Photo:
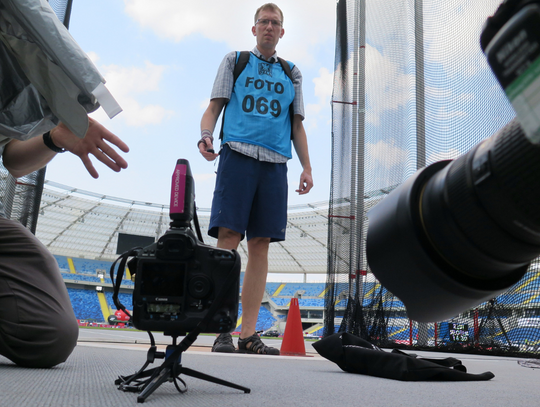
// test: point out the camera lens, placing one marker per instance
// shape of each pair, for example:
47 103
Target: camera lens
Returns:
481 211
200 287
458 233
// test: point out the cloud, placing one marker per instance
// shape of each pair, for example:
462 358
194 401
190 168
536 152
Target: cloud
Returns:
323 85
451 31
445 42
386 154
387 86
128 85
323 91
444 155
204 104
231 21
204 177
204 188
94 57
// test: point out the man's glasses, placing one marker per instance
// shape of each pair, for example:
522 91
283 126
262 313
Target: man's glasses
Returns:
264 22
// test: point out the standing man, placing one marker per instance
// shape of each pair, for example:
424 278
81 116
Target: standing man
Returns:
250 197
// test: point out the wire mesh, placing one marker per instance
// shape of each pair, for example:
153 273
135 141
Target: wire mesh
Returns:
411 87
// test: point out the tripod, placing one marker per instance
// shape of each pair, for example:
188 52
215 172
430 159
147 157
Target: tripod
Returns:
170 370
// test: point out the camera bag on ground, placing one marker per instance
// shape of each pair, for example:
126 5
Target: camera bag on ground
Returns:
355 355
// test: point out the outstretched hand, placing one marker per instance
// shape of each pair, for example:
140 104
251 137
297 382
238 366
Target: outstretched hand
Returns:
97 142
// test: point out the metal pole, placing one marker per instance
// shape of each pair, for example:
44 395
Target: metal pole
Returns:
353 236
420 85
420 116
361 108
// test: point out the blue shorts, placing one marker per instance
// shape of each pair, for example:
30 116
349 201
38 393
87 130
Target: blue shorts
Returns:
250 197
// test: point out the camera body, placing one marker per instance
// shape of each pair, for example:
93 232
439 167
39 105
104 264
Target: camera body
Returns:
176 281
178 278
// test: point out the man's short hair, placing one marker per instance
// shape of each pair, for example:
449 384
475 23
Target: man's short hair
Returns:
268 6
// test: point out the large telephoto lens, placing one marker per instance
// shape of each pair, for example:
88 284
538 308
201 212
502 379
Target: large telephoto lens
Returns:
458 233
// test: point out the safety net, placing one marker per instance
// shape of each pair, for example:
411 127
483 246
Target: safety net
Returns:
411 87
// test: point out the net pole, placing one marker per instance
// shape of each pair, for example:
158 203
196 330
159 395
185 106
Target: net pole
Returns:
355 158
420 115
361 109
420 85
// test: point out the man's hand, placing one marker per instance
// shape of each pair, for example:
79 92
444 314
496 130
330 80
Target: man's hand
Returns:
306 183
204 146
97 142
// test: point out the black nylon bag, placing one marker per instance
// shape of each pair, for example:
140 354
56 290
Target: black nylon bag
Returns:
355 355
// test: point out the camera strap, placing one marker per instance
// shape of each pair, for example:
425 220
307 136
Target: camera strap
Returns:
120 274
197 227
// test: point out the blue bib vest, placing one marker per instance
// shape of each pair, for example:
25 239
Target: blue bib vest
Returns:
258 111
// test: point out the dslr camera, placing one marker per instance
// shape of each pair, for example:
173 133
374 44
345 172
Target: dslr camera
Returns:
178 279
458 233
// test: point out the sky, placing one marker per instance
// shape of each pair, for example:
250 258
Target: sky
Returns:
160 58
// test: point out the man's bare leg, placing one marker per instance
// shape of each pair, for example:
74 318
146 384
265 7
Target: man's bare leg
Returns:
254 283
227 239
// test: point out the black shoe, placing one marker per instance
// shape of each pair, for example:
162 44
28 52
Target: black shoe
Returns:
223 343
253 344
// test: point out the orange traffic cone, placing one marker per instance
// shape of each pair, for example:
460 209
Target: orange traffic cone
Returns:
293 338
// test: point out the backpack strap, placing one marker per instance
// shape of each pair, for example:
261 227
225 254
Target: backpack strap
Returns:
242 58
287 69
241 62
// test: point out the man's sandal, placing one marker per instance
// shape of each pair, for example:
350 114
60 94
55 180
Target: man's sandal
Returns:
253 344
223 343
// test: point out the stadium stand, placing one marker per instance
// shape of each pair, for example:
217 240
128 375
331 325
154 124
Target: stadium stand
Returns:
85 304
272 287
62 262
80 277
87 266
82 289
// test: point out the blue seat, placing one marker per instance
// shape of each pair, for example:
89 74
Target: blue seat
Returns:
85 304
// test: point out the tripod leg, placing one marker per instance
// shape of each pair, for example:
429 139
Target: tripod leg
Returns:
126 380
203 376
163 376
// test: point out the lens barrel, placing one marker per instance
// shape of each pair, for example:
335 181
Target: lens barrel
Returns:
458 233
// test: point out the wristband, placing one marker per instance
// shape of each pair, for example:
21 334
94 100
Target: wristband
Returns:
47 140
205 137
206 133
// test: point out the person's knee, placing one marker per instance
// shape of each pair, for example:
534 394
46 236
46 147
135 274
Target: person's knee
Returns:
228 238
259 245
65 342
51 347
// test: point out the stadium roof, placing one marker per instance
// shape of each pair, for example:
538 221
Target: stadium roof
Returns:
85 224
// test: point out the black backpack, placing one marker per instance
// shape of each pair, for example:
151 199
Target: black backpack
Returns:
239 67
